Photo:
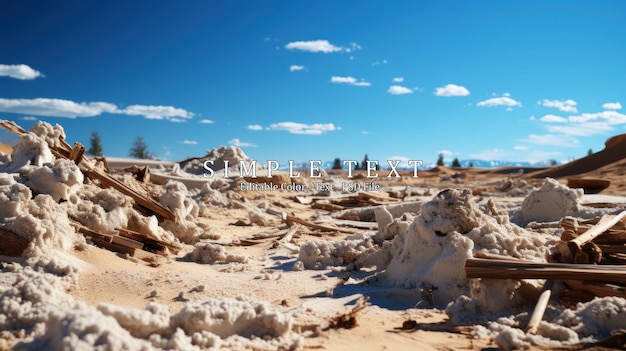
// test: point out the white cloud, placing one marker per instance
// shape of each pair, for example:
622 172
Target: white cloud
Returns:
353 47
22 72
582 129
610 117
520 147
71 109
29 118
313 46
349 80
452 90
399 90
189 142
552 139
499 101
612 106
568 105
238 143
254 127
398 79
445 152
206 121
383 62
157 112
294 68
301 128
553 119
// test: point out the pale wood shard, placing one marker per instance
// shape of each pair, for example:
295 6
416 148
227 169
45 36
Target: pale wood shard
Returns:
540 308
605 223
150 244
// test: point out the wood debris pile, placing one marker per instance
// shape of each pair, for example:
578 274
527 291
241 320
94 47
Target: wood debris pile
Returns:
124 241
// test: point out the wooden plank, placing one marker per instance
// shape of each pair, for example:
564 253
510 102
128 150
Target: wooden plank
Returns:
490 269
596 288
118 239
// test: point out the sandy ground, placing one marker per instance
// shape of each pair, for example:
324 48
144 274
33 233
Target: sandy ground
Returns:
392 319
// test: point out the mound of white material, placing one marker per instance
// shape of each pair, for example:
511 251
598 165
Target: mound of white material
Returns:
51 319
431 254
588 322
232 154
319 254
61 179
40 220
29 150
209 253
552 202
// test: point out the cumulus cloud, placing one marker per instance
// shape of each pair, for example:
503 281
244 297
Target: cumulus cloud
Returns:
71 109
499 101
238 143
612 106
189 142
553 119
568 105
22 72
399 90
452 90
301 128
206 121
313 46
254 127
398 79
349 80
294 68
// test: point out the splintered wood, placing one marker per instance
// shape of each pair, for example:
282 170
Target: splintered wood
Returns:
590 260
125 241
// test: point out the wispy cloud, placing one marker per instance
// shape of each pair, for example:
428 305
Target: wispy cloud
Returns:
238 143
399 90
22 72
206 121
294 68
612 106
610 117
398 79
552 139
71 109
581 129
500 101
189 142
254 127
301 128
553 119
452 90
382 62
350 81
568 105
445 152
314 46
520 147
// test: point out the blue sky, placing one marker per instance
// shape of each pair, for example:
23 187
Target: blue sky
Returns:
305 80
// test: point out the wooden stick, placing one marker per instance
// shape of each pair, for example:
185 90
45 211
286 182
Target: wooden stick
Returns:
293 219
605 223
540 307
596 288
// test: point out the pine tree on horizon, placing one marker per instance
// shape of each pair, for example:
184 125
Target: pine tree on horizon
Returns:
139 149
95 145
